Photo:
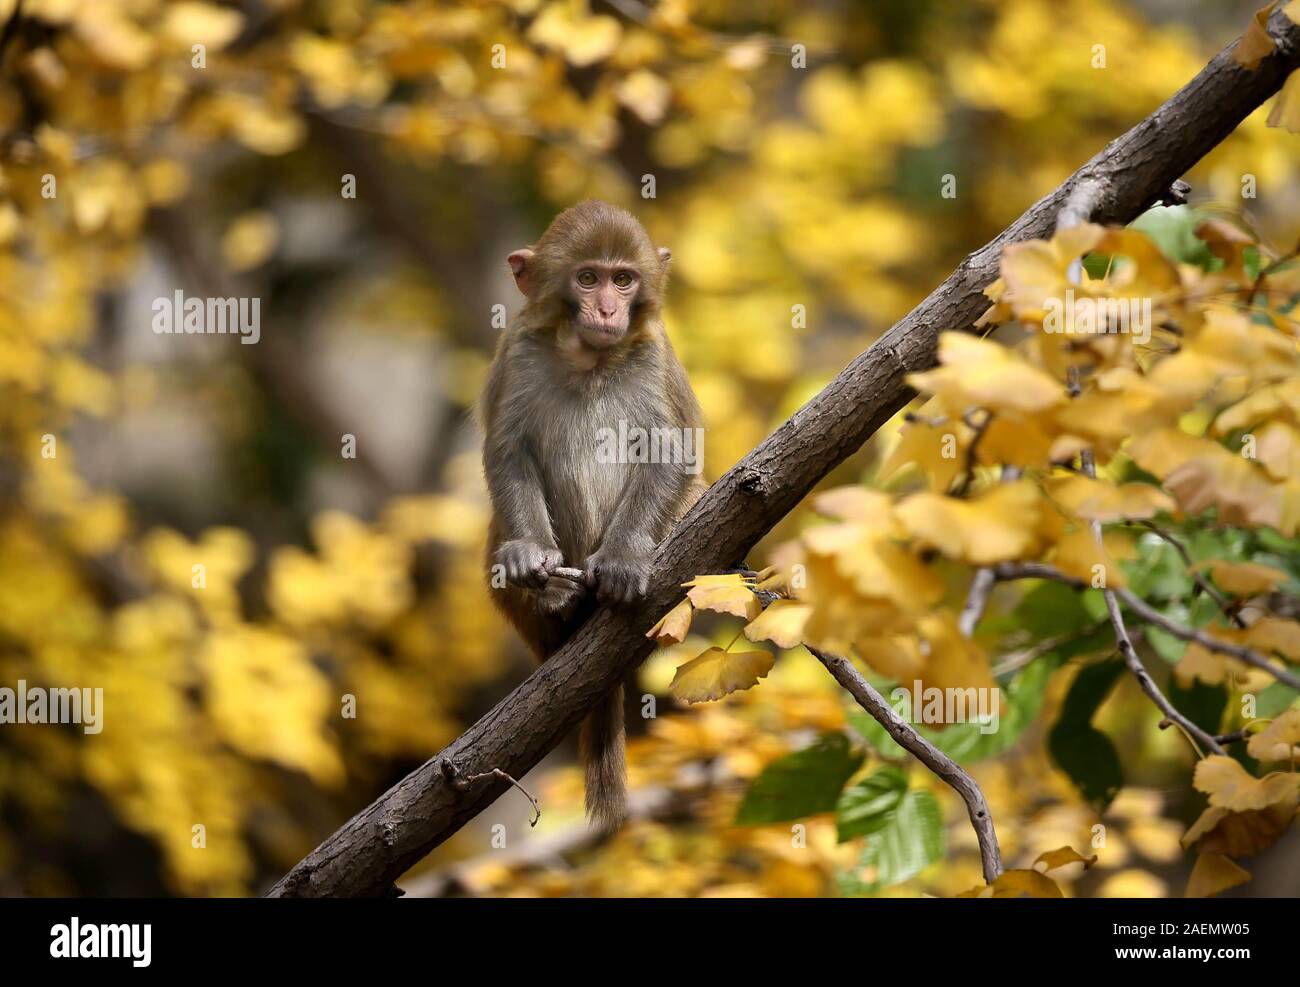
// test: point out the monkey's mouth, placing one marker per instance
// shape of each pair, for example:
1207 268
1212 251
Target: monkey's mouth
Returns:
601 332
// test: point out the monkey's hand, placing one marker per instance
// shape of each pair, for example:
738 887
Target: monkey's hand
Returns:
527 563
561 596
620 574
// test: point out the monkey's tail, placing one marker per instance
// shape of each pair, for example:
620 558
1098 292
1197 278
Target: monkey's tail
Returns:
603 751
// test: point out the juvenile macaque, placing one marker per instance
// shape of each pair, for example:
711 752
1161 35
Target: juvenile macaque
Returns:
587 357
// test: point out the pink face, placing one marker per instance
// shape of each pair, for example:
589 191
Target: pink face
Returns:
604 294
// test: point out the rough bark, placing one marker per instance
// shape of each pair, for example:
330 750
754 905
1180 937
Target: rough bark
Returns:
1131 173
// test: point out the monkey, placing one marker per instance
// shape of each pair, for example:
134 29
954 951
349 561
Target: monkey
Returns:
587 352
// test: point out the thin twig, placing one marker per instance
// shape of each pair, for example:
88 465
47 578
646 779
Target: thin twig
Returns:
972 451
1019 659
1233 738
461 782
1125 645
980 588
936 760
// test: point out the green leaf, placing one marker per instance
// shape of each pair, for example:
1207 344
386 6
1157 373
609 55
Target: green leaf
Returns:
910 841
865 807
1274 700
800 784
1201 703
1173 228
1159 571
1051 609
1094 602
1164 644
1274 542
1081 750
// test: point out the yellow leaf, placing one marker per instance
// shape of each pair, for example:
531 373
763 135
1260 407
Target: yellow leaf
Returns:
1269 634
1230 786
994 526
1062 857
1247 578
207 24
1037 271
1277 447
853 503
875 566
1286 111
268 699
582 38
980 373
955 661
1096 500
1132 883
673 626
1203 474
1279 740
1255 43
1211 667
1077 554
1239 834
898 657
782 623
938 451
729 593
645 94
1214 873
1017 884
717 673
250 240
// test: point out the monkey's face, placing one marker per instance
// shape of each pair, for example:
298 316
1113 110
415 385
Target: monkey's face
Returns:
605 296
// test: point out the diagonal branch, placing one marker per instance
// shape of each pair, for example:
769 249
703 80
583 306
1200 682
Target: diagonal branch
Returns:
383 840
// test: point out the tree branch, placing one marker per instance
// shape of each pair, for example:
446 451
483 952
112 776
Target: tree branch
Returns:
1125 645
1148 613
1242 653
936 760
383 840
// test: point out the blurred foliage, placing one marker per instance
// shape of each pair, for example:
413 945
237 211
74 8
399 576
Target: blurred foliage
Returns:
804 209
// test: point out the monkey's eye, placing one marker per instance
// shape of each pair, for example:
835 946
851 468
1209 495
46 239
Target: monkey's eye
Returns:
587 278
623 279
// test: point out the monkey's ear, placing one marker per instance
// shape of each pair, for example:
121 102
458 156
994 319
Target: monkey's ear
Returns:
521 266
665 257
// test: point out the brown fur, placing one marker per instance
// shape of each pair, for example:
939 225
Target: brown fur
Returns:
554 504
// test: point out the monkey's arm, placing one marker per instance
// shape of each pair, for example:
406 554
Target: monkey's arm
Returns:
528 550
